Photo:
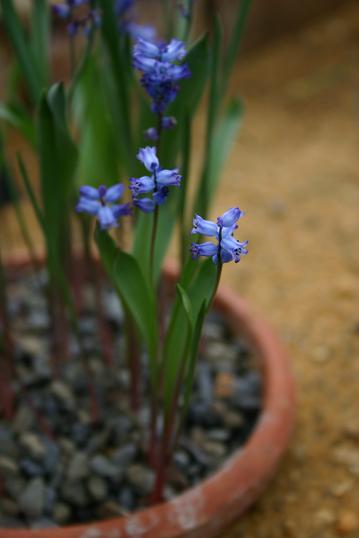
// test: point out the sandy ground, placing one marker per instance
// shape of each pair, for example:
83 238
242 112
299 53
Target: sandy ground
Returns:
295 172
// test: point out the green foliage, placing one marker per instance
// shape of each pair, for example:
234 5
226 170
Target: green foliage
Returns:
29 64
134 291
58 159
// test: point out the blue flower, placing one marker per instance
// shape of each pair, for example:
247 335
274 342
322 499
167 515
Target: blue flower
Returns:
160 70
157 183
86 22
227 248
95 202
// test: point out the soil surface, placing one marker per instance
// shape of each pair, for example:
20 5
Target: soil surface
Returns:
295 172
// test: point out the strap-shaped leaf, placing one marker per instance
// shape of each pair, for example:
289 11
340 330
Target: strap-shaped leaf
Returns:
235 41
40 28
177 345
20 120
134 291
118 56
24 54
58 159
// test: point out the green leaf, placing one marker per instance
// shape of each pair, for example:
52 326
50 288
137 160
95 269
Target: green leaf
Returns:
58 159
176 347
30 193
19 120
24 54
235 41
134 291
223 141
40 37
98 162
118 53
183 320
192 362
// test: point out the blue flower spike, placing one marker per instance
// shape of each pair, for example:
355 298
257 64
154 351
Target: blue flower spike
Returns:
157 183
86 23
96 202
227 248
161 72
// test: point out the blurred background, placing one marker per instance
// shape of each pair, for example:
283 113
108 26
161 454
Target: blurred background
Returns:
295 172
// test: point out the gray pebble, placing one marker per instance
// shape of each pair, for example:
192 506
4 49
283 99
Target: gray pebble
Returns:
32 499
8 447
141 478
24 419
8 468
33 445
75 493
124 455
61 513
105 467
97 487
78 467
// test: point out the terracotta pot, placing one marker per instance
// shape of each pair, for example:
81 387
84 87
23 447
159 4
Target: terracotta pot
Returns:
205 510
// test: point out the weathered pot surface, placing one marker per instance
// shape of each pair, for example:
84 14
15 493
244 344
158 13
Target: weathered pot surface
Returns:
205 510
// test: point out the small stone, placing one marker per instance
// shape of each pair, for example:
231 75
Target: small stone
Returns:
347 523
124 455
204 381
351 431
218 435
61 513
32 345
248 393
340 489
78 467
233 420
181 459
52 455
325 516
113 308
80 434
31 468
97 487
63 393
348 457
8 447
214 450
224 385
127 499
32 499
221 353
321 354
24 419
8 467
141 478
74 493
33 445
105 467
67 446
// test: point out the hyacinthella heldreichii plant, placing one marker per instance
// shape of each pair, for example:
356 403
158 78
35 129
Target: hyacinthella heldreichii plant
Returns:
130 98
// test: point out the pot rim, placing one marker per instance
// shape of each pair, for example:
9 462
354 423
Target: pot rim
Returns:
212 505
